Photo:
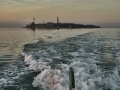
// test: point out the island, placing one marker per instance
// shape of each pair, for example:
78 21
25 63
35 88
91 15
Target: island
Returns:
58 25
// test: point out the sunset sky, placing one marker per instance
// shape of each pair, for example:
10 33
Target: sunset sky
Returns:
18 13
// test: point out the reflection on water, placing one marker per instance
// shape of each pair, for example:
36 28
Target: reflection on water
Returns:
11 40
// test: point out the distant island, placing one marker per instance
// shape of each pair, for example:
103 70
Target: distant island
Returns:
51 25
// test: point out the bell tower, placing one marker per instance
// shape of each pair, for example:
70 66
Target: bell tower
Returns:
33 19
57 19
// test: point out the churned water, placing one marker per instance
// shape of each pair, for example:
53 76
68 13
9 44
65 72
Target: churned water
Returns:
40 60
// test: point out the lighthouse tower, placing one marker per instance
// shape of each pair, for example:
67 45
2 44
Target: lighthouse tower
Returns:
57 23
57 19
33 19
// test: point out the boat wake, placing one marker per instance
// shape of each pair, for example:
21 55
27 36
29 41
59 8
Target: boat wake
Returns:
95 58
92 58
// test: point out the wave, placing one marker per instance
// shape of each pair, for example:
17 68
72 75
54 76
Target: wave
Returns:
88 56
48 78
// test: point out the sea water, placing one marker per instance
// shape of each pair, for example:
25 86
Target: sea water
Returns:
40 60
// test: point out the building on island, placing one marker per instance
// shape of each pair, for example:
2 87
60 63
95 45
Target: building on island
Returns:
57 25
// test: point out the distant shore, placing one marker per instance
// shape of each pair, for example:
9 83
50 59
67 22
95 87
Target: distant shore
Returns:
51 25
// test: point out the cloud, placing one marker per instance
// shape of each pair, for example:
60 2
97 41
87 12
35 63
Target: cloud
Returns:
9 3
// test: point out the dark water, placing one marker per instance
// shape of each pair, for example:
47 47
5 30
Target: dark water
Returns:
43 65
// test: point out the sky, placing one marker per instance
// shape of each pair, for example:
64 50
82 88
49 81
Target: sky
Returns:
18 13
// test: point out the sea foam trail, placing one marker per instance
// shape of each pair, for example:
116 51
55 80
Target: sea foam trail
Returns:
91 56
48 78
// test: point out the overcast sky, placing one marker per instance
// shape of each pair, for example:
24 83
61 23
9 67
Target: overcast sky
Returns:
17 13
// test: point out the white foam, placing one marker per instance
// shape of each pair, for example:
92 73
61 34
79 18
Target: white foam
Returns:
3 81
88 75
53 79
47 78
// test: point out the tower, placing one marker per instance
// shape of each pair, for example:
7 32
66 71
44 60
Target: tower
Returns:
57 23
57 19
33 19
